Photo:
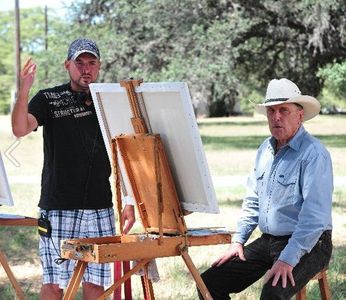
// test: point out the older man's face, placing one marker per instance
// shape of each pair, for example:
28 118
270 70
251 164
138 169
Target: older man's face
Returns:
284 121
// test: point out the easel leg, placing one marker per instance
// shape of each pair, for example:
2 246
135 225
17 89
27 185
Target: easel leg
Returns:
122 268
147 285
75 281
11 277
126 276
117 276
324 287
195 274
128 288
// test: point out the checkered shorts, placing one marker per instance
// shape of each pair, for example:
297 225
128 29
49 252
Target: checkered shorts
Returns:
68 224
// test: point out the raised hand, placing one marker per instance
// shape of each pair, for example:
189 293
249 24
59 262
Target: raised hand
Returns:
27 75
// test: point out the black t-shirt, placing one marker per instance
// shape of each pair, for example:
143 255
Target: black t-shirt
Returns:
76 167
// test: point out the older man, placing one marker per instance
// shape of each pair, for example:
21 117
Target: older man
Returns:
289 197
76 198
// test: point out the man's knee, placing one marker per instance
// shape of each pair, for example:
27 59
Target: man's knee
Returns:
92 291
51 291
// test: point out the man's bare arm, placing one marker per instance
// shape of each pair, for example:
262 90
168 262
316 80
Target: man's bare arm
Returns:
22 121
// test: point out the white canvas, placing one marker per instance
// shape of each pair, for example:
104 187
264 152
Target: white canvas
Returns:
168 110
5 192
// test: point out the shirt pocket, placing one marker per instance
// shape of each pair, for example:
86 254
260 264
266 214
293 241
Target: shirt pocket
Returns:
285 187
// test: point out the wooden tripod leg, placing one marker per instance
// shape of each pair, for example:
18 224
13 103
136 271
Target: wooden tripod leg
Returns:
324 287
75 281
195 274
117 276
128 288
147 285
126 276
11 277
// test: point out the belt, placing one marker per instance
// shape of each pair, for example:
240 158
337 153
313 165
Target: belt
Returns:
276 237
286 237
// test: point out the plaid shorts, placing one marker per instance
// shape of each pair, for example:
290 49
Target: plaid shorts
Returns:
68 224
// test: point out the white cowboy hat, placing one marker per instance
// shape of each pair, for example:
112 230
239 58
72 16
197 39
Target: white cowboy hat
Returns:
285 91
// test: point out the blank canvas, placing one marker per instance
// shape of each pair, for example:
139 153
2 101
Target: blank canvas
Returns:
5 192
167 109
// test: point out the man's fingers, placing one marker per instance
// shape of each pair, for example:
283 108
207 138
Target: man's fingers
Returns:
27 62
284 281
276 279
220 261
290 276
267 276
241 256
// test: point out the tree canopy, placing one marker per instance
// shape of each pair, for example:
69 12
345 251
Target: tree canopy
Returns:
226 50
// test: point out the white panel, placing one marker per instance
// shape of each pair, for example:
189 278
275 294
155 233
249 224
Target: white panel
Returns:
5 192
170 113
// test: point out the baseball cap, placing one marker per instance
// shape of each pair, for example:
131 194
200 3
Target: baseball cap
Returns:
80 46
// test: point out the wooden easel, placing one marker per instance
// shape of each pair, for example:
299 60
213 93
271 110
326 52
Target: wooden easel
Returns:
25 221
159 208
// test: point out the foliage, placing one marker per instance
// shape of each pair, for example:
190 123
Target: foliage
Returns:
224 49
6 61
33 41
335 78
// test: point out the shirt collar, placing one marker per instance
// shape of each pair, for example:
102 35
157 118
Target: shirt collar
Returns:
295 142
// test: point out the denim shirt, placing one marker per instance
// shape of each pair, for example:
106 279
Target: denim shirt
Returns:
289 193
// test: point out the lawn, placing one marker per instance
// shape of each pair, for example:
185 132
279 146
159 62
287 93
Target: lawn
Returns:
230 145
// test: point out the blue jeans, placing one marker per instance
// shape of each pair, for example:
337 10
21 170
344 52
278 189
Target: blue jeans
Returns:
236 275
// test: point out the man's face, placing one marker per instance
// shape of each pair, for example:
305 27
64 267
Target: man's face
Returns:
83 71
284 120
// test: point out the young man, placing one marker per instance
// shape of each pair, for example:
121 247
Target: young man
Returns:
289 198
76 195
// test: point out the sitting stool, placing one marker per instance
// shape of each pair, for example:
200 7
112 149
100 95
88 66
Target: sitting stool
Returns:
323 283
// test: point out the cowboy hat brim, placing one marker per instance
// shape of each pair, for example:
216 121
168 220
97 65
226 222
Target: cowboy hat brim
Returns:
310 105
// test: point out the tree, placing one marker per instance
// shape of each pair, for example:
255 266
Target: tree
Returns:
335 78
6 61
227 50
291 39
32 45
224 49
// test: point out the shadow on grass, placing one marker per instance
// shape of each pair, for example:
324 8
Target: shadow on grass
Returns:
20 244
230 202
7 292
253 141
232 142
341 205
238 124
337 273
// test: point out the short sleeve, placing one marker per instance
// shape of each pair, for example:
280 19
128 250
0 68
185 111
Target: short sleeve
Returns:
38 108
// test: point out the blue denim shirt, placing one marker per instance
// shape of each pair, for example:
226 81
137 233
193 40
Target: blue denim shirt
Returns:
289 193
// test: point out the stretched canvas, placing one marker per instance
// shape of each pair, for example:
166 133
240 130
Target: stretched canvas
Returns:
167 110
5 192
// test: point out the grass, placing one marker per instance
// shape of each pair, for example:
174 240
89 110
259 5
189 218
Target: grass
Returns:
230 145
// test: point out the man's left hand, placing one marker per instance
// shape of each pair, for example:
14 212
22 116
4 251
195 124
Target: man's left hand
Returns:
279 270
128 218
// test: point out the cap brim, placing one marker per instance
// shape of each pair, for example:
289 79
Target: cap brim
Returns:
310 105
74 56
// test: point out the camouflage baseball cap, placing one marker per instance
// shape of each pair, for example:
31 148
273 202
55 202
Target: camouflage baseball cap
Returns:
80 46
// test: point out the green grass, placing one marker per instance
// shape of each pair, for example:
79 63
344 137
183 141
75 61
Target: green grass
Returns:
253 141
230 145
